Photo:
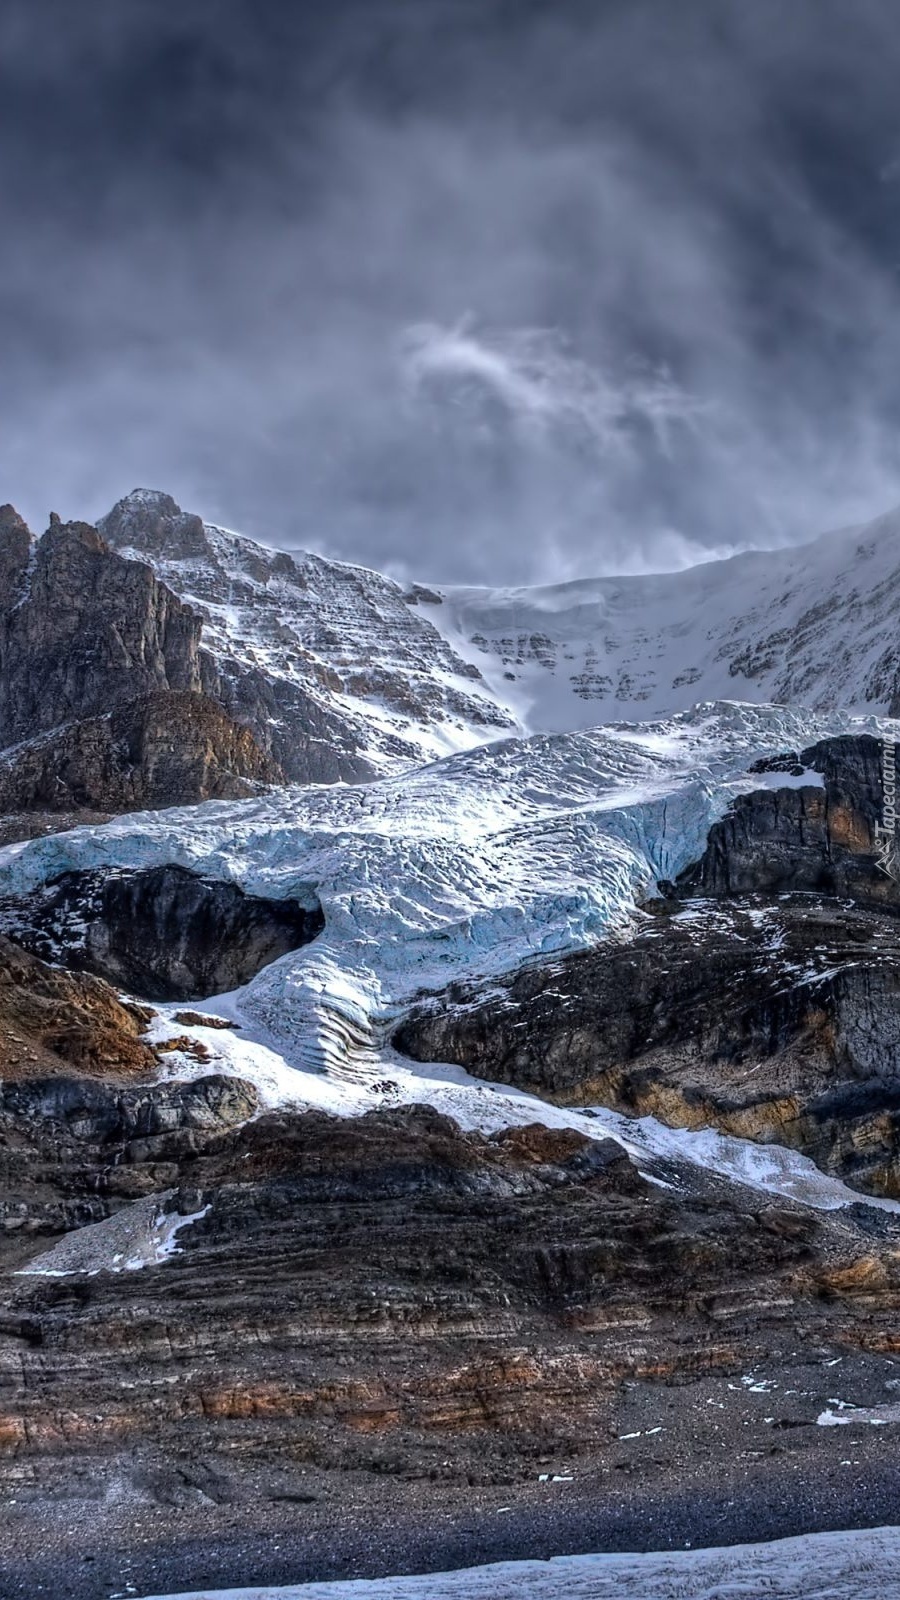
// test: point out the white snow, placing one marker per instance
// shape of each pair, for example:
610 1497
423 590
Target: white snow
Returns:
860 1565
845 1413
810 625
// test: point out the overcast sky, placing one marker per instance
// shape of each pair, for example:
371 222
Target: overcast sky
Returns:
478 290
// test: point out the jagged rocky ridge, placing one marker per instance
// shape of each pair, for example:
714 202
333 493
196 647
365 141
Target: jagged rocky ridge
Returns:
337 664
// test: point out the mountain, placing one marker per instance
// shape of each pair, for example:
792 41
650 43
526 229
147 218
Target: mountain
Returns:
814 625
337 667
418 671
498 1109
309 670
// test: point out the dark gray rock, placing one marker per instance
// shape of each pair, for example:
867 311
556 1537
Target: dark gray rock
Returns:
163 933
820 839
100 1113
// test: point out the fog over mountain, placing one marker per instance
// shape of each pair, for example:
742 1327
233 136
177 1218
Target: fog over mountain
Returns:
487 292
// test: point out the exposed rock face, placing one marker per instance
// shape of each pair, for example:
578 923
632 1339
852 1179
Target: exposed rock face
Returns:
152 523
74 1149
166 749
82 630
289 655
104 661
163 933
815 839
772 1021
56 1022
387 1295
307 740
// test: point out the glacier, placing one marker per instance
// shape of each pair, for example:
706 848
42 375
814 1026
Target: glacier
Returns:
817 1566
459 870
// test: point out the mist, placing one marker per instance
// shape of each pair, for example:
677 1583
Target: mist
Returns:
483 293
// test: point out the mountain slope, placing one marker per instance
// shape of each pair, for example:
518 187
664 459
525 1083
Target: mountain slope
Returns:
315 644
814 625
407 674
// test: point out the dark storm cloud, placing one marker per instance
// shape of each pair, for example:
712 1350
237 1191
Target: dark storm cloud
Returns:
483 291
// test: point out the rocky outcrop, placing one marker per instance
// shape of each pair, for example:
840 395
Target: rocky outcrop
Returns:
221 663
166 749
820 839
163 933
102 706
75 1150
56 1022
152 524
387 1295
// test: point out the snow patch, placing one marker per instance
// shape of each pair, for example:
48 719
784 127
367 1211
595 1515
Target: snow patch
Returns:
839 1566
142 1234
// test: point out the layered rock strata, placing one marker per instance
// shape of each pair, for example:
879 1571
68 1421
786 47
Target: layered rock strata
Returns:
382 1295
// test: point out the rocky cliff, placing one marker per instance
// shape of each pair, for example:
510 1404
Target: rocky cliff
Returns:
102 702
82 630
341 1302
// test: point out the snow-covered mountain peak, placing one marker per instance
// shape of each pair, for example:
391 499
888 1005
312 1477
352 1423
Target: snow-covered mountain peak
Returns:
357 645
415 672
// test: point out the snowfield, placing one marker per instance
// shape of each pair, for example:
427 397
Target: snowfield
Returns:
819 1566
459 870
810 626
